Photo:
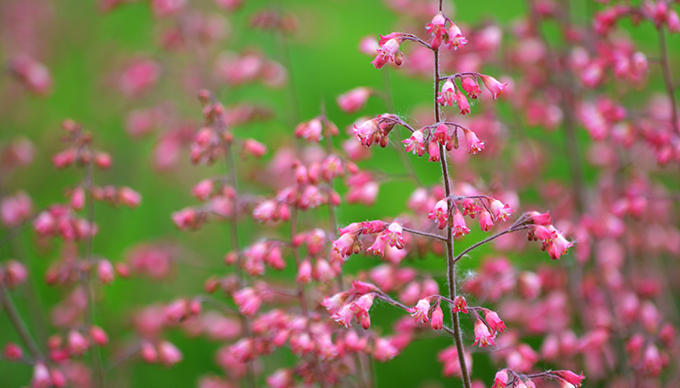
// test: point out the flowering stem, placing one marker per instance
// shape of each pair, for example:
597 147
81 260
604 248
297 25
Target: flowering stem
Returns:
668 81
450 262
302 297
233 229
18 323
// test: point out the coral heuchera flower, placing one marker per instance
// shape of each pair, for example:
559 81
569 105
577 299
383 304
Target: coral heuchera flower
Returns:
495 87
500 210
459 227
455 37
420 311
388 52
474 144
483 335
440 213
448 93
437 28
415 143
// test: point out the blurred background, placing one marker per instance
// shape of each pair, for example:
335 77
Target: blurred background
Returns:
87 51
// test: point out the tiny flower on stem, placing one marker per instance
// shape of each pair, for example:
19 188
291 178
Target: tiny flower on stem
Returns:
471 87
440 213
437 318
474 144
483 335
447 94
420 311
459 227
494 322
495 87
455 37
459 305
437 28
415 143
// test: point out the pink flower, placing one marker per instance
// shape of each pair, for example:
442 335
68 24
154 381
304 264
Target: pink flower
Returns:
456 39
459 227
558 246
421 311
254 148
485 221
367 132
571 377
494 321
388 52
282 378
378 247
499 210
501 379
305 272
16 209
473 142
447 94
334 303
540 218
77 343
344 315
440 213
393 235
129 197
35 75
361 307
354 99
483 335
41 376
248 301
437 28
168 353
383 350
105 272
437 318
346 244
471 87
311 131
459 304
441 134
415 143
433 150
462 102
495 87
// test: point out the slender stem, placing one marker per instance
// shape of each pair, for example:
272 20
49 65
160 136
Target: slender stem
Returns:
425 234
18 323
389 106
668 81
450 263
488 239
